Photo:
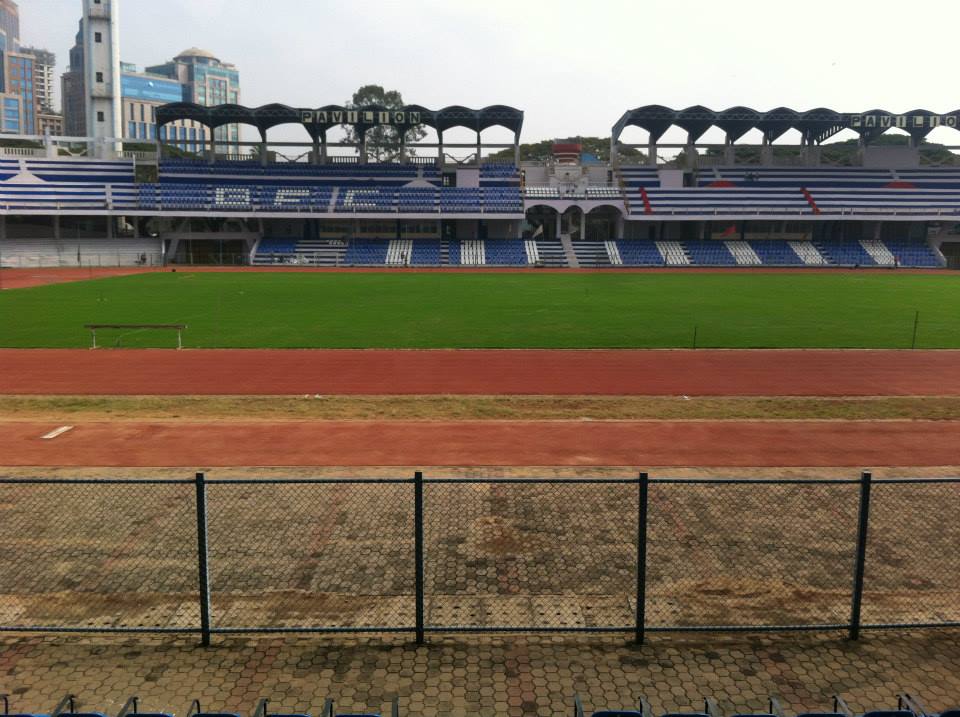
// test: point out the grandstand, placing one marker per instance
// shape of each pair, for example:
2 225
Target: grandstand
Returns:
429 207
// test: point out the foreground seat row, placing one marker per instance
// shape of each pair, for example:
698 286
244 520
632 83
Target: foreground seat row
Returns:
907 706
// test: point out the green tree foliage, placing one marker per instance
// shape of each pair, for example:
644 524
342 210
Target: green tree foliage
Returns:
599 147
383 142
840 154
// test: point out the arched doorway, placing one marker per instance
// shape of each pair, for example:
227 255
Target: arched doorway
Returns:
541 221
604 224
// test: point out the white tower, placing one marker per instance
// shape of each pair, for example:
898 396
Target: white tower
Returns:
101 66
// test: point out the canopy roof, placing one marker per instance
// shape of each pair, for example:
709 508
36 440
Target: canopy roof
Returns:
815 125
318 121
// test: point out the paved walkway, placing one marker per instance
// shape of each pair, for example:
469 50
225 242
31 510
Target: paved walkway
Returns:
482 675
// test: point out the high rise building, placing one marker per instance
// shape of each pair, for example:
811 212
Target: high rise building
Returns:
9 25
193 76
44 62
72 95
19 113
206 81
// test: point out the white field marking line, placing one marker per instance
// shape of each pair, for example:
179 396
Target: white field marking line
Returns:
58 432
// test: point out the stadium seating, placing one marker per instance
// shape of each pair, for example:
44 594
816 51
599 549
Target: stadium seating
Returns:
773 252
924 202
63 171
340 173
497 200
622 252
709 253
907 705
845 253
372 199
499 175
592 253
426 252
913 253
67 196
461 200
541 192
31 253
760 202
673 253
639 253
367 252
505 252
769 177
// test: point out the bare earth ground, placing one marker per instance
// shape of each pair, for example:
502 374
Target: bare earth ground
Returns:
20 278
278 409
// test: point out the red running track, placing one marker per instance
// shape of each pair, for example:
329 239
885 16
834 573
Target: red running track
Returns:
480 372
486 443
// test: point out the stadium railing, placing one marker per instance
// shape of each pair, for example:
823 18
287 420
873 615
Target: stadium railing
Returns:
483 555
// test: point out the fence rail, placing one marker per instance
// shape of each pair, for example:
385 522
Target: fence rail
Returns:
455 555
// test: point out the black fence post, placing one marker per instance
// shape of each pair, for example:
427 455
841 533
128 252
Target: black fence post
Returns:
863 524
418 548
202 558
641 615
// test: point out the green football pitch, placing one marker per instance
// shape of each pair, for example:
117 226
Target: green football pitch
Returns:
496 310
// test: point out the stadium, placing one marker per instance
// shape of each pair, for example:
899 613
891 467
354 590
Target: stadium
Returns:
894 210
369 409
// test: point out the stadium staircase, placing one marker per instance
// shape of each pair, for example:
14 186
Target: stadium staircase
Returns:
472 252
569 252
400 252
880 253
673 253
776 252
591 254
808 253
613 252
309 252
743 253
533 253
844 253
551 253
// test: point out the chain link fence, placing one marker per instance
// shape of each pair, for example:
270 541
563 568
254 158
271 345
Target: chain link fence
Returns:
477 555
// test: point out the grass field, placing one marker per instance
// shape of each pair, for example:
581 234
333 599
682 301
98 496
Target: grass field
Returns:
436 310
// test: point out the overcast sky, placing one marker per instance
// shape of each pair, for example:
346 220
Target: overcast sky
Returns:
573 66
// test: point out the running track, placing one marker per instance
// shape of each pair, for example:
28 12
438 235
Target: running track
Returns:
481 372
486 443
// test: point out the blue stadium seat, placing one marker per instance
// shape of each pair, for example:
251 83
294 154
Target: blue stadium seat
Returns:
637 252
8 713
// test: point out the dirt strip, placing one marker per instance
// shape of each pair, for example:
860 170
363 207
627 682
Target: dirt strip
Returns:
481 372
483 443
21 278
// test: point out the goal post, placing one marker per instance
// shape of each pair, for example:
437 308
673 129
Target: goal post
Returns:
135 327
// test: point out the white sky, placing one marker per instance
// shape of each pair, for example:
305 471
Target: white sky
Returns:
574 66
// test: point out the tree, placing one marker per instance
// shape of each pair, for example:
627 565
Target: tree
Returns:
383 142
599 147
